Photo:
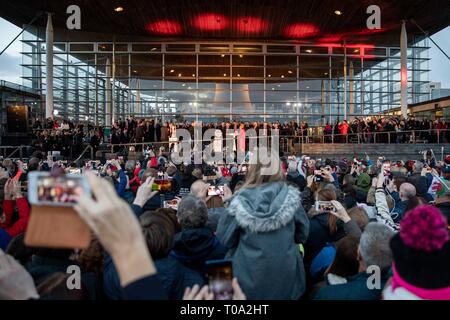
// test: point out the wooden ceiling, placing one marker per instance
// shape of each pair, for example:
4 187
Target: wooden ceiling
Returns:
265 20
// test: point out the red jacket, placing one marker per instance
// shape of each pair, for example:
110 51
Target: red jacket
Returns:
20 225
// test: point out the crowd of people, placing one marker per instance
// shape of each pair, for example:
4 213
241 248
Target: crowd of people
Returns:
313 229
70 138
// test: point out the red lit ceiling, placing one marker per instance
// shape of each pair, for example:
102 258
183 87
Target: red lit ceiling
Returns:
297 20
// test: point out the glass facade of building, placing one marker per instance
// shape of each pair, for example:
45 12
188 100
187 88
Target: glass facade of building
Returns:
224 80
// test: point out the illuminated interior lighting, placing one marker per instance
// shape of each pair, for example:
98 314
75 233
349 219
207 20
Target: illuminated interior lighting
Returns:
241 56
153 49
308 50
183 85
222 55
193 75
179 75
252 25
356 50
172 71
288 103
290 72
210 22
269 75
301 30
118 9
238 74
338 12
224 74
165 27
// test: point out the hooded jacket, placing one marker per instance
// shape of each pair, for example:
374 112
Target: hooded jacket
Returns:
193 247
262 228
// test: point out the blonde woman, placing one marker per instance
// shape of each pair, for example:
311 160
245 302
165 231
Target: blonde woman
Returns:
262 228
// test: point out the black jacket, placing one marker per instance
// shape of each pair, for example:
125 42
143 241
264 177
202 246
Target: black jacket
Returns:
196 246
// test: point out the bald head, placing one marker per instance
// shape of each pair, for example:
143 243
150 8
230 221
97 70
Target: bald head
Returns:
199 189
407 191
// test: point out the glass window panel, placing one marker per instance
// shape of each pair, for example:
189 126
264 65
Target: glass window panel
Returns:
82 59
248 60
180 59
180 47
219 59
248 72
145 47
213 72
276 85
216 85
59 47
313 50
81 47
106 47
247 48
214 48
239 84
375 51
146 59
279 60
180 95
281 49
179 72
121 47
282 73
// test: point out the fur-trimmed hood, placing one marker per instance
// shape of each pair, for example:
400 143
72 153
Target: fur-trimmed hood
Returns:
265 208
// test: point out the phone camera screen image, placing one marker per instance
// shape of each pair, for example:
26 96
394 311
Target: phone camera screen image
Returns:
220 276
325 206
64 190
215 191
59 189
161 185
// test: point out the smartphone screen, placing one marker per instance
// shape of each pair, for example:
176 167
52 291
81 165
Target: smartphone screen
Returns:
324 206
215 191
45 189
74 171
220 276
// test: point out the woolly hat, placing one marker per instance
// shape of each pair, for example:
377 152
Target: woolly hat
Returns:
421 251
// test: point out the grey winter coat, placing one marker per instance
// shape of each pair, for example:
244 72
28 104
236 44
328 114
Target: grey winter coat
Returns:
262 228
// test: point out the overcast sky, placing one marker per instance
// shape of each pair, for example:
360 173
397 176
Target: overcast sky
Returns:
10 60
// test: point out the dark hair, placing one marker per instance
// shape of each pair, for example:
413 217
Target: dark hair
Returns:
159 230
399 180
414 202
328 195
18 250
345 262
360 216
91 258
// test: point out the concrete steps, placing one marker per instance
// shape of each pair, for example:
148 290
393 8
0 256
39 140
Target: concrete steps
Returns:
404 151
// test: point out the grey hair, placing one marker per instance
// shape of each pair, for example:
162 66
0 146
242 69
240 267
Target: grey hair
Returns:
192 212
374 245
130 165
418 166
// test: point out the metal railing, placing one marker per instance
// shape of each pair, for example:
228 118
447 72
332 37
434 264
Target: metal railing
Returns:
405 136
8 152
288 143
